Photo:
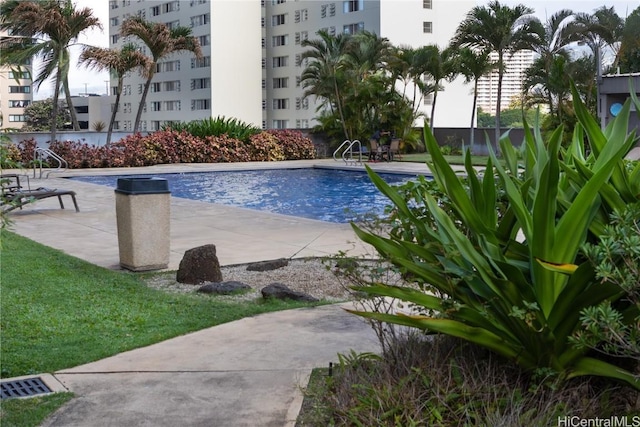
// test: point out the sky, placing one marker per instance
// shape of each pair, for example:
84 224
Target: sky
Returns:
82 80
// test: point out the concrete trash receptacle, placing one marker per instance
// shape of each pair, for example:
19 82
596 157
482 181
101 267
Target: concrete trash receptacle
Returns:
142 215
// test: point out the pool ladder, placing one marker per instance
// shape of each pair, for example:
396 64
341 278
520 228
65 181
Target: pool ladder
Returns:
349 155
42 154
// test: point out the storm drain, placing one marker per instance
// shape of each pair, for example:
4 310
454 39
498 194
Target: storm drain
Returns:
23 388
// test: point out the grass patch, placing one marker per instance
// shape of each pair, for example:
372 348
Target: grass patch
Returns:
31 412
59 311
453 160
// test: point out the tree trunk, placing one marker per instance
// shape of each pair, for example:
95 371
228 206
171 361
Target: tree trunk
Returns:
143 99
67 95
115 108
339 105
433 107
499 100
54 108
473 113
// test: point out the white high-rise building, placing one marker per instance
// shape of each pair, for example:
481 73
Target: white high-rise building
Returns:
516 66
251 68
15 94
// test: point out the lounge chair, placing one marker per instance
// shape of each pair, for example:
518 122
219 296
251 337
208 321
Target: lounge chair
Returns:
14 196
394 148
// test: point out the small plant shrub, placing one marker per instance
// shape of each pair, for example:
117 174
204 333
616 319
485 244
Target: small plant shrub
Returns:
294 145
218 126
264 147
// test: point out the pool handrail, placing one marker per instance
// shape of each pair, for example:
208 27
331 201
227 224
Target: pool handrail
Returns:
347 154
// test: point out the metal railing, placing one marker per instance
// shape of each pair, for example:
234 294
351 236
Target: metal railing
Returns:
349 155
42 154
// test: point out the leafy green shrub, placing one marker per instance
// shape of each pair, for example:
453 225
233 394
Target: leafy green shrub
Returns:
294 145
615 330
218 126
264 147
513 279
10 156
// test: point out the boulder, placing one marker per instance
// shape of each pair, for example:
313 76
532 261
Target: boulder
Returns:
268 265
224 288
199 265
280 291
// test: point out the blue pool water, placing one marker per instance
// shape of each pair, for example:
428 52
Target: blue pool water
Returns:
323 194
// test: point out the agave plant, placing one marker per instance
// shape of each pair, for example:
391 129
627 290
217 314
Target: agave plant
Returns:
513 279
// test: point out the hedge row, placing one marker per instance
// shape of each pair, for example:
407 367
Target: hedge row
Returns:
169 146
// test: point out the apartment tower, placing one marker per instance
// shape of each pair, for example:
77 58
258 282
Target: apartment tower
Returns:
252 56
15 94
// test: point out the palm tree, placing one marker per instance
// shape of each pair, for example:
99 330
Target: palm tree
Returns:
474 65
603 28
437 65
161 41
322 77
45 29
500 29
119 62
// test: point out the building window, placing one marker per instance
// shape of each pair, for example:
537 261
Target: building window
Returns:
323 11
172 105
280 124
274 2
19 75
278 20
114 38
281 104
427 27
19 89
353 5
172 6
113 4
301 36
280 82
332 9
114 21
164 67
156 87
427 4
173 24
155 124
17 118
280 61
156 106
172 86
298 80
199 20
205 40
155 11
203 62
201 104
202 83
279 40
304 15
20 103
353 28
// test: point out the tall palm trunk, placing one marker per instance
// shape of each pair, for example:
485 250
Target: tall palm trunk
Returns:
499 100
115 108
339 105
54 107
473 113
433 107
72 111
143 99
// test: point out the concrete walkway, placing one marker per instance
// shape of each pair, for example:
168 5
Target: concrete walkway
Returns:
243 373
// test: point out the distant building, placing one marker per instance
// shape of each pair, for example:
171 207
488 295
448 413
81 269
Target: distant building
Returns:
614 92
516 66
15 94
92 110
251 67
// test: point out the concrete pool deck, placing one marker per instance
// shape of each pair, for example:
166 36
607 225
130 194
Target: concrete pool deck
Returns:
240 235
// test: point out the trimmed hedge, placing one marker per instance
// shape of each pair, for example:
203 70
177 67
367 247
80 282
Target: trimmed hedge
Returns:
171 146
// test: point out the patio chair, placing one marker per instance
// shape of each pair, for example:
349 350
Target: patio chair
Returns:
394 148
14 196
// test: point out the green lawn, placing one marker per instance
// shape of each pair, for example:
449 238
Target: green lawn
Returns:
59 311
454 160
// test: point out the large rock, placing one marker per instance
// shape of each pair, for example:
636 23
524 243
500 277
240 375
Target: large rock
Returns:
280 291
199 265
224 288
268 265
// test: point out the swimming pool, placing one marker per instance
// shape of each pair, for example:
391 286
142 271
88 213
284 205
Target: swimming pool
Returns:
323 194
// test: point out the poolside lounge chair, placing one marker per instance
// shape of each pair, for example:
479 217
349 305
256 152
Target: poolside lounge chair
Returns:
14 196
394 148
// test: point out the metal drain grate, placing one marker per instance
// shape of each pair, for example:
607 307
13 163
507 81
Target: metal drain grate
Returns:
23 388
